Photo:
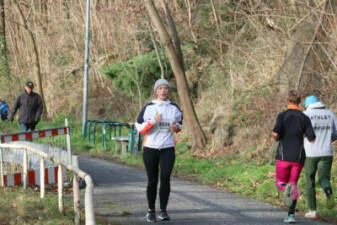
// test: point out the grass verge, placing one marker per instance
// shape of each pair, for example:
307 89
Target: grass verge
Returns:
19 206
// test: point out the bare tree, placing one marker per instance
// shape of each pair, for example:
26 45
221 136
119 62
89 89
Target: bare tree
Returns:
66 8
307 51
198 136
189 11
35 56
219 31
44 15
153 39
4 65
174 34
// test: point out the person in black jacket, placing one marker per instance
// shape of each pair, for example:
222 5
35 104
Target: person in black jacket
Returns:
290 128
31 107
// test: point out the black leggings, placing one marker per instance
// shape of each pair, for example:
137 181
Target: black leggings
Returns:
152 159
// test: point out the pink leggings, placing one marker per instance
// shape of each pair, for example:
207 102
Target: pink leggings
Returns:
288 172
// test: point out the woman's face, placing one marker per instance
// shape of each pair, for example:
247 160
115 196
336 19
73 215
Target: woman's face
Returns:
162 92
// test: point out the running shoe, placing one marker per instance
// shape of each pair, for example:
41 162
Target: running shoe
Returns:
151 216
311 214
330 200
289 219
288 194
163 216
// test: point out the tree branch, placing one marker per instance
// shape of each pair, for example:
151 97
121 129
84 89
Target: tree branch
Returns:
307 51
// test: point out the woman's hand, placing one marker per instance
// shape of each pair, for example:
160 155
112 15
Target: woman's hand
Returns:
157 117
174 127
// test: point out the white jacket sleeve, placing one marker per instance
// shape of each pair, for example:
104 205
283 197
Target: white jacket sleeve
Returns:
144 122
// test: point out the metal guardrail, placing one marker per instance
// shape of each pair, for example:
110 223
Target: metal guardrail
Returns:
110 129
89 206
37 134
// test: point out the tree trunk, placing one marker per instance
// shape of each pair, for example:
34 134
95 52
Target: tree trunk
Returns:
308 62
174 33
44 15
189 11
219 33
307 51
66 8
4 65
35 56
198 136
153 39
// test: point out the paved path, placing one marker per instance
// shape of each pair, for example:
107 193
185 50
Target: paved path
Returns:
120 197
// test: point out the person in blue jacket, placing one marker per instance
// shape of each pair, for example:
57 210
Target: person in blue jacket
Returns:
3 109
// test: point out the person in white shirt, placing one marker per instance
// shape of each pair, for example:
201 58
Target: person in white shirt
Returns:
158 121
320 153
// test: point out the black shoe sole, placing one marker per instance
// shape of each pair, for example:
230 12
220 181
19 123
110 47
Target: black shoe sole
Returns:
163 219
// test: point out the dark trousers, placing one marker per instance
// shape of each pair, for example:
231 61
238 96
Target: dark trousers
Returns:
321 165
153 158
27 126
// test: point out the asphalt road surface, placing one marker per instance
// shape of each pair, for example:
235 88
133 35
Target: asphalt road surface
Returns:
120 198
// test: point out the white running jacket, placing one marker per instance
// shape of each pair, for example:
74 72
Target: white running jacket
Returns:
324 123
158 135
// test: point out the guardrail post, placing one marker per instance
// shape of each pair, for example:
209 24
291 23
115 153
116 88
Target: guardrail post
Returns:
2 168
76 200
94 133
131 138
110 131
60 188
120 130
42 177
76 190
89 202
89 130
104 136
25 169
114 130
68 142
